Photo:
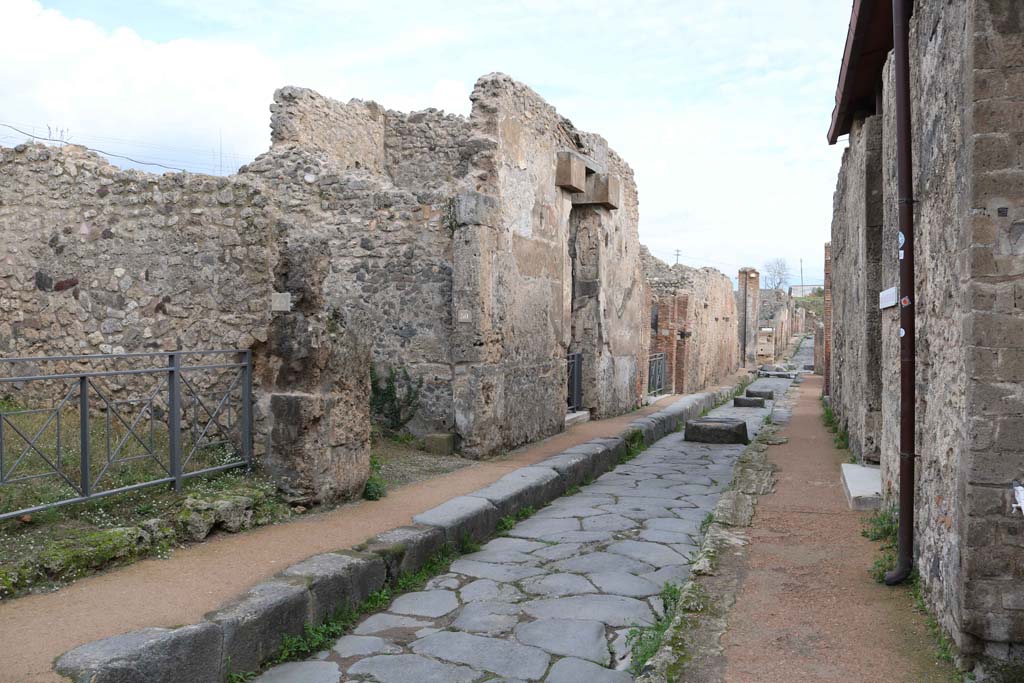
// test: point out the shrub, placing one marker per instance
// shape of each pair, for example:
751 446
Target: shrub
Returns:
393 405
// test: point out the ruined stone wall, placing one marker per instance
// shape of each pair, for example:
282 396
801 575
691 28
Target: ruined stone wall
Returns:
374 225
856 262
826 353
700 322
991 242
537 276
775 312
748 290
98 259
967 125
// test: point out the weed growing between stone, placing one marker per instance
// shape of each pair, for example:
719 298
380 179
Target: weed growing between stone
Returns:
881 526
634 446
707 522
944 648
508 522
375 488
315 638
841 440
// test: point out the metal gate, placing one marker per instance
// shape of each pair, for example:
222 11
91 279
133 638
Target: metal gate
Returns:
657 369
574 398
80 432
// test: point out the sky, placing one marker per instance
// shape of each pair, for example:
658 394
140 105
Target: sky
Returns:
720 106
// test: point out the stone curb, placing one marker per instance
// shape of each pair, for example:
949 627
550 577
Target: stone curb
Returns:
248 630
753 476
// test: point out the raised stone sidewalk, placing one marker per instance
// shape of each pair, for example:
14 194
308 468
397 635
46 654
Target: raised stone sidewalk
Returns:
553 599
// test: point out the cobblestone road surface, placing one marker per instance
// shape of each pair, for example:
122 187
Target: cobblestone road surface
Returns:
554 598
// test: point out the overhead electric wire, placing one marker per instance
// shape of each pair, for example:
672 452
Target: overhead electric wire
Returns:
93 149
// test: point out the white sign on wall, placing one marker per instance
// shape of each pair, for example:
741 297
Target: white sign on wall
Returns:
888 298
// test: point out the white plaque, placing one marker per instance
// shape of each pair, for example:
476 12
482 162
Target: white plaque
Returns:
281 302
887 298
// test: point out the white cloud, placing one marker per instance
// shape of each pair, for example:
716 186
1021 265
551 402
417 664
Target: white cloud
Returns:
719 107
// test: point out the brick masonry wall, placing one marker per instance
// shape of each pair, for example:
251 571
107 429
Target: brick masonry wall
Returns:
697 324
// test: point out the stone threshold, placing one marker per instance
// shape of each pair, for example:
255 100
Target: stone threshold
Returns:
249 630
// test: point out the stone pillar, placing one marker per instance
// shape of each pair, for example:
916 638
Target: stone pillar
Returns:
827 355
748 289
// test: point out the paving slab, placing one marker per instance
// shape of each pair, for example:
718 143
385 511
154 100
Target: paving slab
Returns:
567 637
503 657
554 598
302 672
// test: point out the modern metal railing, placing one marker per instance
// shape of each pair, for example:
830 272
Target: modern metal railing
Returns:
107 431
574 398
657 369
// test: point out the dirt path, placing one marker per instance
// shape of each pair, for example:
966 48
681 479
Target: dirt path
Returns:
195 580
807 609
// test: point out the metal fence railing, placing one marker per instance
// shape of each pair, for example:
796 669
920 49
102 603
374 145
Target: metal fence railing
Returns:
574 398
657 369
75 428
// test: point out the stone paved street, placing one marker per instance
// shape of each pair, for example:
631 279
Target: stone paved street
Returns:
554 598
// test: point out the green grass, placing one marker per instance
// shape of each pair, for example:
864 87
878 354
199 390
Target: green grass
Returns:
315 638
375 488
644 641
508 522
945 650
881 527
706 522
634 446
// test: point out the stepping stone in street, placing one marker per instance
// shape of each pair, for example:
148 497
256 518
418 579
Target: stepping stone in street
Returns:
613 610
410 669
567 637
766 394
748 402
717 430
302 672
501 657
431 604
571 670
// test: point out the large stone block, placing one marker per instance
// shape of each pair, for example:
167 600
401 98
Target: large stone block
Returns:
319 446
571 172
747 402
255 624
766 394
155 655
337 581
406 549
717 430
525 487
465 516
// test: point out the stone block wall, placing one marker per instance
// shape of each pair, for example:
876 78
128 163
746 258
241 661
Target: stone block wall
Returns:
697 323
97 259
856 383
967 126
539 272
774 324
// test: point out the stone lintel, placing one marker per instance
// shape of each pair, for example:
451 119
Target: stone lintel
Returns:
603 189
571 172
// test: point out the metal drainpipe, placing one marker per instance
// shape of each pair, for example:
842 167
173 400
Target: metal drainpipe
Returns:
905 188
